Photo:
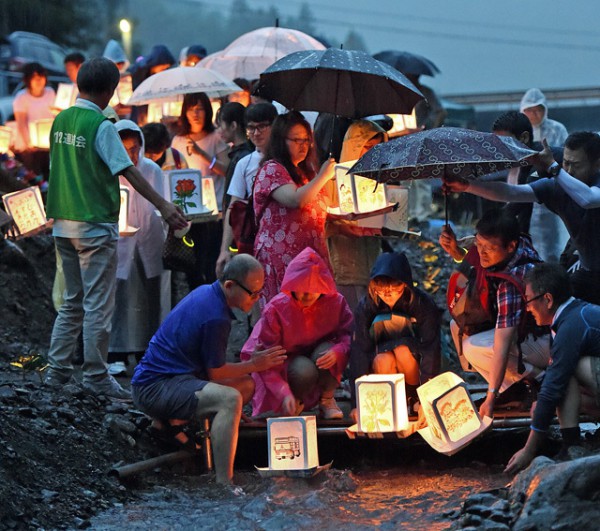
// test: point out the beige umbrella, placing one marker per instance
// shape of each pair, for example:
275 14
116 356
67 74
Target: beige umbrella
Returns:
252 53
170 84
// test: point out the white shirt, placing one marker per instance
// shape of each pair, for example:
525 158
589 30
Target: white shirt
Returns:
244 174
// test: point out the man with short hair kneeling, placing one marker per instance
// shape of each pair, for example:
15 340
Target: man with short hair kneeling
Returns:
572 380
184 375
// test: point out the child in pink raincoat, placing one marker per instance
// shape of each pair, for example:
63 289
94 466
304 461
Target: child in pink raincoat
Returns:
313 322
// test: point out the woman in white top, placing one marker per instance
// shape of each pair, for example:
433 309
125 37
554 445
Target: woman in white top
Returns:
33 103
205 151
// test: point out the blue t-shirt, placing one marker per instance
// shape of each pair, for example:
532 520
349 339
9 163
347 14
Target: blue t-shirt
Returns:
191 340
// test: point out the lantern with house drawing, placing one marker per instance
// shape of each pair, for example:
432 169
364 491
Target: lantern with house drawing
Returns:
452 419
39 133
381 403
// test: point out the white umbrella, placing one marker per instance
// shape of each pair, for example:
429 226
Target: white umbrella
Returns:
252 53
171 83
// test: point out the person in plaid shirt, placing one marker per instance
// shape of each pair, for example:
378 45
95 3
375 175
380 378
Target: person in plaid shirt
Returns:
494 353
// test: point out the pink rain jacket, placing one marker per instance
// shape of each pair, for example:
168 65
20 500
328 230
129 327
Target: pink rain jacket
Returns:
299 330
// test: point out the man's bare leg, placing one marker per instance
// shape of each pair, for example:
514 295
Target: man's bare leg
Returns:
226 403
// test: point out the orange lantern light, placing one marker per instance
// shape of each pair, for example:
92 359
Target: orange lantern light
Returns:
39 133
381 403
5 138
452 419
66 94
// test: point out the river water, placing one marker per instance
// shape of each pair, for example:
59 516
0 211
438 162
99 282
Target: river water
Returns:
379 485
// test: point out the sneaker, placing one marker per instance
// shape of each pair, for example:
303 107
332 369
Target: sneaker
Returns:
329 409
108 387
117 368
56 379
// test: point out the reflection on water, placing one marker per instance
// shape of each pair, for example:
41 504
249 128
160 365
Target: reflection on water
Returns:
416 497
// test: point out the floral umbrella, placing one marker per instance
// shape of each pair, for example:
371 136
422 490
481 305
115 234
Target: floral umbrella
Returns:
171 83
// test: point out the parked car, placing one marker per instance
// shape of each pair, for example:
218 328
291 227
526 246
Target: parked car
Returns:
22 47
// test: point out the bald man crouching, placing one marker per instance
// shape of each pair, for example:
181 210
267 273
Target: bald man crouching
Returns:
184 374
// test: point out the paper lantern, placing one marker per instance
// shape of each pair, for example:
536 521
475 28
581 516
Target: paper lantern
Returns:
158 111
292 443
124 228
66 94
398 219
358 194
5 138
381 403
39 133
452 419
123 92
402 124
209 197
27 210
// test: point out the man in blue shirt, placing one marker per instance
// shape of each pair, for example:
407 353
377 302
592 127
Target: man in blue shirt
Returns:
575 359
184 374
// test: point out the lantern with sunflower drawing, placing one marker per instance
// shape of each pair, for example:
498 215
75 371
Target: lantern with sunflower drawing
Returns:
381 403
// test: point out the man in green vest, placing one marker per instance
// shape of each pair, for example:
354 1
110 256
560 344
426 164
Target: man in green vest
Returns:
87 157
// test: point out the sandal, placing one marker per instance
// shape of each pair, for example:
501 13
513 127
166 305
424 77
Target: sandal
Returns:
175 436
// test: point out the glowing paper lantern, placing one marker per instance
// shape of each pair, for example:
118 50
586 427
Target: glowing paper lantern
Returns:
39 133
402 124
452 419
124 228
158 111
398 219
5 138
358 194
381 403
66 94
27 210
209 197
292 443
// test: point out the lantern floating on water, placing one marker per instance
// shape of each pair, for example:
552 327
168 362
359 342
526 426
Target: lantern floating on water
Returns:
381 403
292 444
452 419
39 133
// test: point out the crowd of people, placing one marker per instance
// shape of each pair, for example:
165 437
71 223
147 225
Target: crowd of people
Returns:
322 299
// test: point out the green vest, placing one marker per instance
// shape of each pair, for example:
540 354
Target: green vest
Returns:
81 187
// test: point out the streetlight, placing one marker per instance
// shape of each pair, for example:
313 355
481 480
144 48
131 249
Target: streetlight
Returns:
125 27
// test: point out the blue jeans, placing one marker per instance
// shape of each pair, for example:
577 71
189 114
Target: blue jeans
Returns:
89 266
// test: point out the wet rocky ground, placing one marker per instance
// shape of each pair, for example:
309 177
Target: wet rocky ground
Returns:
57 450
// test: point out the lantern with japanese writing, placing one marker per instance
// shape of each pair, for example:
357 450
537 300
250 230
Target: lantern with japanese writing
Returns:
39 133
452 419
27 210
381 403
5 138
292 443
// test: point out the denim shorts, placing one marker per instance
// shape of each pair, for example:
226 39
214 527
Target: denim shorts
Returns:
172 397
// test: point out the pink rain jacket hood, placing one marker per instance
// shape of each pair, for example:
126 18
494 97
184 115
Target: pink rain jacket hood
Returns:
299 330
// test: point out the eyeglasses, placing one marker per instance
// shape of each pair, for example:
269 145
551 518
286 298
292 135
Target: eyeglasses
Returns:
300 141
258 128
251 294
528 302
390 290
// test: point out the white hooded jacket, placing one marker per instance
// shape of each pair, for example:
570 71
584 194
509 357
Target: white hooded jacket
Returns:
554 132
150 237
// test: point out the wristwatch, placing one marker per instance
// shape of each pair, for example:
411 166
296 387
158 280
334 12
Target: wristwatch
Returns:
554 169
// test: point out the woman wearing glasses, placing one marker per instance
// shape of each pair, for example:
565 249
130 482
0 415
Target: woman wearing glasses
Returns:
397 329
290 201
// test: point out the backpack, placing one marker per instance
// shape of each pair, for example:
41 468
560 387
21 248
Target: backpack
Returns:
471 301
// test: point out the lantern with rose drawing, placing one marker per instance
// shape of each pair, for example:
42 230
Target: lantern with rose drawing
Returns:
452 419
381 403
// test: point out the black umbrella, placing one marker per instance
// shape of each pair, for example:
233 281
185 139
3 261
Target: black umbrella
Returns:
346 83
449 152
408 63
